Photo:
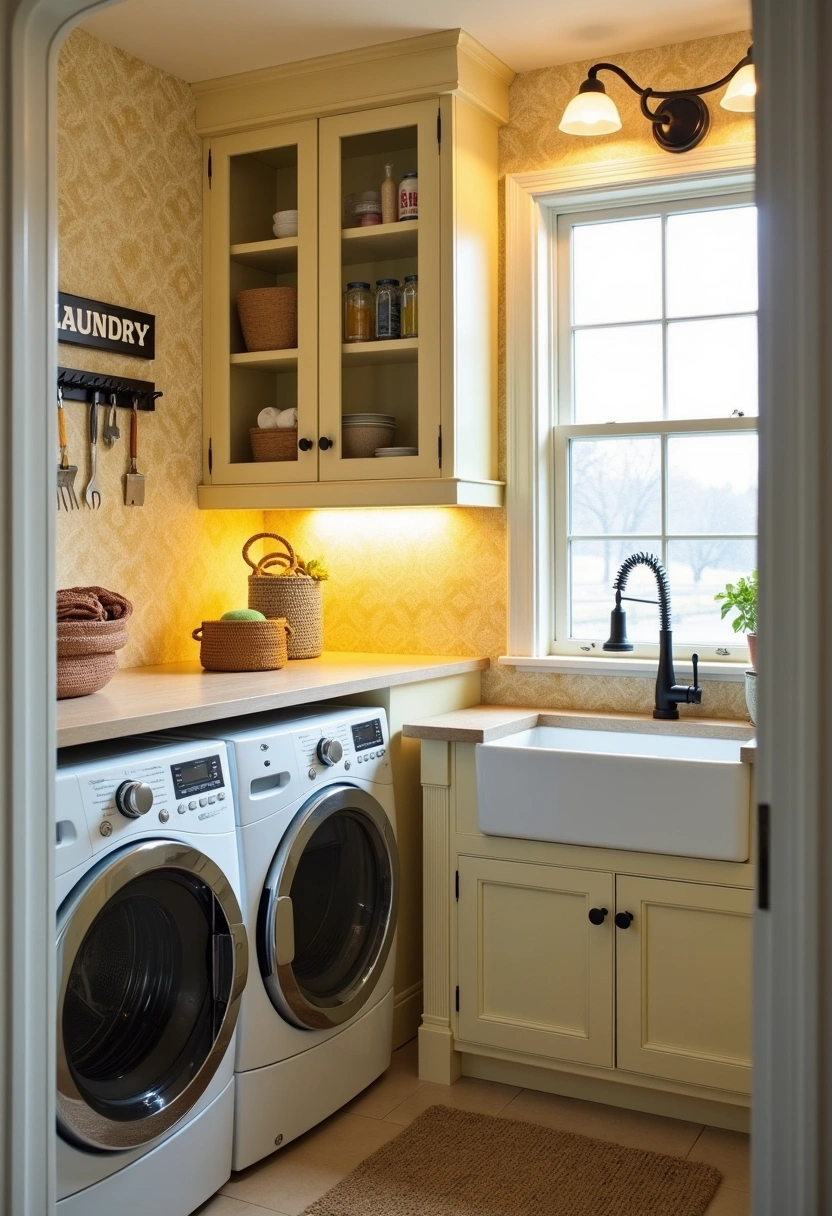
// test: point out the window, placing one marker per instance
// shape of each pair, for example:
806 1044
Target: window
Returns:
655 375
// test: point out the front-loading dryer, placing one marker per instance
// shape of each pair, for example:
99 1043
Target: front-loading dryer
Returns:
152 961
320 872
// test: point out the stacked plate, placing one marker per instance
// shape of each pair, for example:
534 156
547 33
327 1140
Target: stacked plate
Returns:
368 420
397 452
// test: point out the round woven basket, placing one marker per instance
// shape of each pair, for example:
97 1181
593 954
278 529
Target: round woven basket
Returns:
360 442
243 645
269 317
289 594
274 443
87 655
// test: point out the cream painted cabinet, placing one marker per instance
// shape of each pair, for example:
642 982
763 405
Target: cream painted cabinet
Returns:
535 975
683 982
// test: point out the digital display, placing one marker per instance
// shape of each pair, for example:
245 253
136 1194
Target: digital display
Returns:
200 770
196 776
367 734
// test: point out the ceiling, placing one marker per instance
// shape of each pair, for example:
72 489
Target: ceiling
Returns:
200 39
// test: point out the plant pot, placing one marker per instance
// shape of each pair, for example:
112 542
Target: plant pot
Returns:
751 638
751 695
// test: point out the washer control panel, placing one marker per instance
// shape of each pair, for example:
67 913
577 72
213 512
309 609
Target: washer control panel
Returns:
355 747
196 776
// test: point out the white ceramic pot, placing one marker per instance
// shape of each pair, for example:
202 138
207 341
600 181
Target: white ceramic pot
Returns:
751 695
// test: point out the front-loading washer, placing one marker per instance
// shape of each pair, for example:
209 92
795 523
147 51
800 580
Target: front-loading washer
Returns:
320 873
152 961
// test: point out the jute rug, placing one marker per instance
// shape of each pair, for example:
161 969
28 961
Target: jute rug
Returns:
453 1163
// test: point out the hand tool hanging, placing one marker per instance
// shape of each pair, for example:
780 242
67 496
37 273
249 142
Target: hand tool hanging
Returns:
67 498
92 497
134 480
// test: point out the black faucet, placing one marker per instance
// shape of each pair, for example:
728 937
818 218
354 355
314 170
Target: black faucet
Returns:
669 694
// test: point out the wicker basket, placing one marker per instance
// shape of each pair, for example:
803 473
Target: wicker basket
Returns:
360 442
87 657
269 317
294 596
274 443
242 645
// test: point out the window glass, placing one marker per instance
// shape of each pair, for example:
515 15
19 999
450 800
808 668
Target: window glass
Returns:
712 262
618 374
712 367
617 272
616 487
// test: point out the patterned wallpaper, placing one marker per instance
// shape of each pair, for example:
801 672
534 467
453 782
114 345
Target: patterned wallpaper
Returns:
130 232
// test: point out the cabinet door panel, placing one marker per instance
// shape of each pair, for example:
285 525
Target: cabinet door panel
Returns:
255 174
684 982
395 377
535 974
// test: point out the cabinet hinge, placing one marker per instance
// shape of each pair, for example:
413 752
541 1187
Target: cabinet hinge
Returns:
439 447
439 128
763 850
456 885
210 455
457 998
210 170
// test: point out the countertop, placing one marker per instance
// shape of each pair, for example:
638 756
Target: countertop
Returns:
141 699
485 723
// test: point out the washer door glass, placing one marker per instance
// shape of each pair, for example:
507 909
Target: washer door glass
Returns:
149 986
330 903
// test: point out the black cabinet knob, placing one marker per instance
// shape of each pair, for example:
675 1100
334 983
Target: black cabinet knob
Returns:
324 444
305 444
623 919
597 916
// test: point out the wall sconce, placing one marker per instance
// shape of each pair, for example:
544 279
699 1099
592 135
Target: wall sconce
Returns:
681 119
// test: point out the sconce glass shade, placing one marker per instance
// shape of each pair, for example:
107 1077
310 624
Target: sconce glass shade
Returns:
592 112
741 92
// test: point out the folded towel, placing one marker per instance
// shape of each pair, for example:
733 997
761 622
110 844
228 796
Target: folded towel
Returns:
92 604
270 418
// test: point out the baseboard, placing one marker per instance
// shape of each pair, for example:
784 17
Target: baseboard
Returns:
595 1089
407 1014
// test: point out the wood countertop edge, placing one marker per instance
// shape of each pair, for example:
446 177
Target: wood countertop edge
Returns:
488 723
103 722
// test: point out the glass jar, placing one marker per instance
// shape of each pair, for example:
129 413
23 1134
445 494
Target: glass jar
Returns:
388 309
409 197
358 313
410 306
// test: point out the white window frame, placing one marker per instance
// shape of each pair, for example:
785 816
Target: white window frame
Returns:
531 202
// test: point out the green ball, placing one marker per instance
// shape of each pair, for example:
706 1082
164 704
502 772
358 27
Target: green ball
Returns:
243 614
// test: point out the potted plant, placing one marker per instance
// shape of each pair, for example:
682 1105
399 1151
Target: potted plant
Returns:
741 597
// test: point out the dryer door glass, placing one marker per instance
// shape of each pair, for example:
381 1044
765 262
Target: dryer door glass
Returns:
148 977
332 897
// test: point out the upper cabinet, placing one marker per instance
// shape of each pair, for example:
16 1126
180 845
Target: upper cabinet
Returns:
365 372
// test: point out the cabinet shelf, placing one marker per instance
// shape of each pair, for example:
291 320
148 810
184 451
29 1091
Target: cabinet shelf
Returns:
275 256
379 243
268 360
373 354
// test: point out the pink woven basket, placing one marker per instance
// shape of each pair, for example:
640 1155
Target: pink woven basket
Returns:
87 657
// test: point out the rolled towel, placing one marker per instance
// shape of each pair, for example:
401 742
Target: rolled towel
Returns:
271 417
92 604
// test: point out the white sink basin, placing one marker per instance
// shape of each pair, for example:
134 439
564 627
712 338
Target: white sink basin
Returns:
619 790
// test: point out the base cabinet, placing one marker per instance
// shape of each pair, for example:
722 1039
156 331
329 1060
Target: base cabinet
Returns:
646 975
535 974
683 982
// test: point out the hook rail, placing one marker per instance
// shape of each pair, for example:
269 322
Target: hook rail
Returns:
80 386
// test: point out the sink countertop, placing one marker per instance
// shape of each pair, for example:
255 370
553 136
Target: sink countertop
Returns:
486 723
142 699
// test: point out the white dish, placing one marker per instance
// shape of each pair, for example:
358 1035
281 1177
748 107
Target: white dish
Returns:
283 230
368 420
397 452
280 216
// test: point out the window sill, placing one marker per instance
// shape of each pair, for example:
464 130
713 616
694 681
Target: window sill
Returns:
579 665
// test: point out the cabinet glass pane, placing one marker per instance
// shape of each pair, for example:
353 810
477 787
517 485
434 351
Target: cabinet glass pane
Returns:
617 272
712 262
712 367
618 374
616 486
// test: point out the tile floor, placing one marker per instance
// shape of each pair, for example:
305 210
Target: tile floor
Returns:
290 1180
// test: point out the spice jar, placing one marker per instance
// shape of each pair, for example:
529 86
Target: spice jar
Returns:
388 306
410 306
358 313
409 197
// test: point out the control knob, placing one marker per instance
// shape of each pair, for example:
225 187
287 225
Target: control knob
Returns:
329 751
134 798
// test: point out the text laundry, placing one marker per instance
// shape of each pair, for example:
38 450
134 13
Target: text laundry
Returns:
102 325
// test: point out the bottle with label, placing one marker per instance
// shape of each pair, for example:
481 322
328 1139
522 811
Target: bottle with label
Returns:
388 197
388 309
358 313
410 306
409 197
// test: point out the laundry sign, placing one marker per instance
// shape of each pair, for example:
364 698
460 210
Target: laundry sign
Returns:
106 326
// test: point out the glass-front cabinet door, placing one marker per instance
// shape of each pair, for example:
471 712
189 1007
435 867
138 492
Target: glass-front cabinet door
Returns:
263 316
379 295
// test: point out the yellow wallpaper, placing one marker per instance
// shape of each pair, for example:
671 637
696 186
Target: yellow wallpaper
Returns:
130 232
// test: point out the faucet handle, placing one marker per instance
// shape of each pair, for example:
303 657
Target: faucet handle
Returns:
695 660
694 691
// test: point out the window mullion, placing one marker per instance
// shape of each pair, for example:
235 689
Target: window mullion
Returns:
664 500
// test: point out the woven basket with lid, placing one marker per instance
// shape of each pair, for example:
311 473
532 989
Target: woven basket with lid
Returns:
287 593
